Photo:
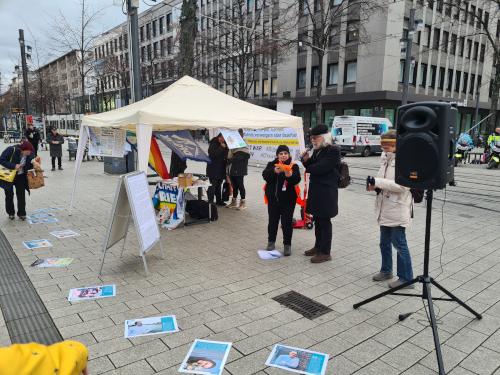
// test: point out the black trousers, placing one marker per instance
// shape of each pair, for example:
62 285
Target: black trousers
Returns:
215 190
276 213
323 232
20 186
238 185
54 161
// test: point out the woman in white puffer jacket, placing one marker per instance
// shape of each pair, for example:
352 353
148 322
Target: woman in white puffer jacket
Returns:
393 210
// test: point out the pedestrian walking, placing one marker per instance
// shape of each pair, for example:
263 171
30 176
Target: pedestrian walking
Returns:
55 141
237 170
33 136
20 159
322 202
393 210
216 169
281 176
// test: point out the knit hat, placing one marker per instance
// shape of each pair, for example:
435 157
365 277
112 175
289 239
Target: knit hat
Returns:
26 146
319 130
282 148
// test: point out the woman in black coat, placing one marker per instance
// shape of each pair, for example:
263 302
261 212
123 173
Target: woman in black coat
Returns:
216 170
20 158
281 197
55 140
322 200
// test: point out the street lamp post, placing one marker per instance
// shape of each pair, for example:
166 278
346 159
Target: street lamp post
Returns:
25 71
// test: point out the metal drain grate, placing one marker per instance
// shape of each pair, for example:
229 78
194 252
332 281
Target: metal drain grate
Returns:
301 304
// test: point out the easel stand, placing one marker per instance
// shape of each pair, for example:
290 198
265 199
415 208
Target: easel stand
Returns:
426 282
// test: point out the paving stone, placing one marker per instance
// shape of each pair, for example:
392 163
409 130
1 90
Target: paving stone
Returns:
141 367
227 323
249 364
108 347
481 361
404 356
257 342
466 340
99 365
137 352
366 352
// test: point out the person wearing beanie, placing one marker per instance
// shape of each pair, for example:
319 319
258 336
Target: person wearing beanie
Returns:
33 136
323 167
20 158
55 140
237 165
281 176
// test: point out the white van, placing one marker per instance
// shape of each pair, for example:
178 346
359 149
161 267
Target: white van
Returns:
359 134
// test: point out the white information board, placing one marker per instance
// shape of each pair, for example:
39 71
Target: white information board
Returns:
132 201
106 141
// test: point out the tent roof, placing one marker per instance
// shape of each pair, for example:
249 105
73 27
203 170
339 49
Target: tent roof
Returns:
191 104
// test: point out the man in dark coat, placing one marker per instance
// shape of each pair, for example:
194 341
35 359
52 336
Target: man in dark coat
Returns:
55 140
20 158
177 165
237 161
216 170
322 201
33 136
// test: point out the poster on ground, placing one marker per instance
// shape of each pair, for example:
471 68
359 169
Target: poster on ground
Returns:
106 142
65 233
264 142
52 262
91 292
297 360
46 220
46 210
150 326
206 357
36 244
233 139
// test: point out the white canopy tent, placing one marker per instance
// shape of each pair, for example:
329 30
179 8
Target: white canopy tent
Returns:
187 104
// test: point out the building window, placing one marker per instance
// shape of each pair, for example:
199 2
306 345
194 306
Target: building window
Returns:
449 86
413 74
141 33
154 28
350 72
143 53
349 112
315 76
148 31
303 7
367 112
162 25
432 82
453 45
313 119
427 36
333 74
256 88
274 86
301 79
169 22
445 40
423 75
401 70
149 52
389 114
329 116
435 43
155 50
464 86
458 76
352 34
442 73
162 47
461 46
472 82
476 50
469 48
265 87
169 45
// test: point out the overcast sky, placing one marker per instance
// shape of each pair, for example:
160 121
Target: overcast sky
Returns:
36 17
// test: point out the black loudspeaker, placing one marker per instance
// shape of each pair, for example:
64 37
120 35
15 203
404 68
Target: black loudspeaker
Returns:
425 145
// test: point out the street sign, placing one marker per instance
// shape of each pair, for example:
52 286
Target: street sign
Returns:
17 110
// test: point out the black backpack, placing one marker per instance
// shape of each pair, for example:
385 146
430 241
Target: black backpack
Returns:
344 177
417 194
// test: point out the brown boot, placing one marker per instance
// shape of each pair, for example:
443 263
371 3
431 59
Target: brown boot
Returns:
320 258
311 252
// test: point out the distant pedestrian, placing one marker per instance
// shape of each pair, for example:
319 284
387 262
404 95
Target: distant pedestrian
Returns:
322 201
33 136
216 169
55 141
281 176
393 210
20 158
237 161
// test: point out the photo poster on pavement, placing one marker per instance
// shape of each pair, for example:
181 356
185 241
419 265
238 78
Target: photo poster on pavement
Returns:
269 255
206 357
233 139
91 292
52 262
168 200
264 142
36 244
45 220
297 360
150 326
65 233
106 141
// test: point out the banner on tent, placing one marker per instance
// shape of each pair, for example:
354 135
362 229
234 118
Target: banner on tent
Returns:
106 142
263 143
182 143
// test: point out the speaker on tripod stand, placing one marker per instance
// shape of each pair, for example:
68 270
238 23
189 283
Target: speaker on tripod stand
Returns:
424 160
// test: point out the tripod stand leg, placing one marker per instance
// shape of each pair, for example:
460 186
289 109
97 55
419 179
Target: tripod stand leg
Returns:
432 317
383 294
456 299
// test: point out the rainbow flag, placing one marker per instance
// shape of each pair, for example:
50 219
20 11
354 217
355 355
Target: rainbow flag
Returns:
156 162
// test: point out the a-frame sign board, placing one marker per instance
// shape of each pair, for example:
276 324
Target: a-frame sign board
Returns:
132 201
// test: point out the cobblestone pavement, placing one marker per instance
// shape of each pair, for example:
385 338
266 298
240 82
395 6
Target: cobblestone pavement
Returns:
213 281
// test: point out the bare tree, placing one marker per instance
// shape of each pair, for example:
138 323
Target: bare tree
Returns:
78 36
466 11
321 23
244 42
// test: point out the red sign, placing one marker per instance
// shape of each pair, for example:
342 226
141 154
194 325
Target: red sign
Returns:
29 119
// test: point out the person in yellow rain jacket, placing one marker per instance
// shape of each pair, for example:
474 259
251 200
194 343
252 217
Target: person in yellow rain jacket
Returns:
64 358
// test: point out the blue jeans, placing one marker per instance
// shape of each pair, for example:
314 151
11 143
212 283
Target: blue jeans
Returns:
395 236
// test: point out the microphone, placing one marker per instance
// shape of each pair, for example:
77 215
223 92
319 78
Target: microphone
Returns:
308 148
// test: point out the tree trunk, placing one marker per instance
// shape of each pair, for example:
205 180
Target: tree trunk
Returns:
188 35
319 88
492 121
